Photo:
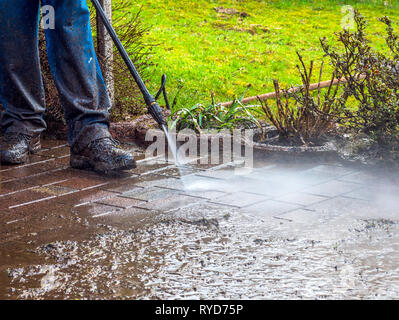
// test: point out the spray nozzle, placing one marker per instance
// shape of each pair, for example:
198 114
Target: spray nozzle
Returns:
156 112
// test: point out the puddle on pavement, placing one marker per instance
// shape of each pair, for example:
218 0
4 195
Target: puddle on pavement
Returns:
210 251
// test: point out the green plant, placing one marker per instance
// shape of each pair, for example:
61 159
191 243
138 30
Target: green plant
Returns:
299 114
370 98
214 116
392 38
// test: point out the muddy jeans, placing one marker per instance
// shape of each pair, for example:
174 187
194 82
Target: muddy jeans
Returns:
73 65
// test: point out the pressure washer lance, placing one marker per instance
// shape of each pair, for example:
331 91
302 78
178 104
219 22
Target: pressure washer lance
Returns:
153 107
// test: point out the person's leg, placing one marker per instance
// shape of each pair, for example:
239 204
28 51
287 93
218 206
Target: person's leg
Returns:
76 72
81 88
21 87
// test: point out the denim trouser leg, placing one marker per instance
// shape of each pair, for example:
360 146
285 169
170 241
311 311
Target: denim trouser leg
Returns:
21 88
73 64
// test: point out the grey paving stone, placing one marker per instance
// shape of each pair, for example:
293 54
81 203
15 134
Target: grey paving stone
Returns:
332 188
356 208
200 183
313 177
150 194
359 177
205 210
171 183
218 174
83 197
94 210
23 198
303 216
122 202
126 219
123 185
240 199
335 169
177 171
275 171
364 193
266 188
210 195
303 199
55 152
155 180
202 166
170 203
183 160
292 178
269 174
49 144
187 183
149 167
270 208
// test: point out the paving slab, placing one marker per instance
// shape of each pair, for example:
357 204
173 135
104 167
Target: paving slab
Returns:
26 171
169 183
338 170
224 173
303 216
227 232
133 182
126 219
6 176
94 209
170 203
84 182
23 198
270 208
148 167
313 177
178 171
57 152
211 212
342 206
51 143
83 196
150 194
240 199
121 202
210 195
362 178
301 198
332 188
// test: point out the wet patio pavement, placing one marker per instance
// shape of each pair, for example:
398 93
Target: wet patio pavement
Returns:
281 230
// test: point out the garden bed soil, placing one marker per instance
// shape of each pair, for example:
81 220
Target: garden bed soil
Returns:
124 131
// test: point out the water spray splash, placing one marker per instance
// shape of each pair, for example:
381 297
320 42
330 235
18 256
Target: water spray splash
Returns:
173 149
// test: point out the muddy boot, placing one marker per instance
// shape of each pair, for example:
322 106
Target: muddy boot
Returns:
16 147
102 155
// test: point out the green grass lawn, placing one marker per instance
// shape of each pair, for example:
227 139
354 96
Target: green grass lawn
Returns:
210 51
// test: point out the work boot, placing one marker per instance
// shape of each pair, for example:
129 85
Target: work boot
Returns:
102 155
16 147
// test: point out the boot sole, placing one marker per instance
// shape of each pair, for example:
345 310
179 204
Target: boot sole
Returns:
84 163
